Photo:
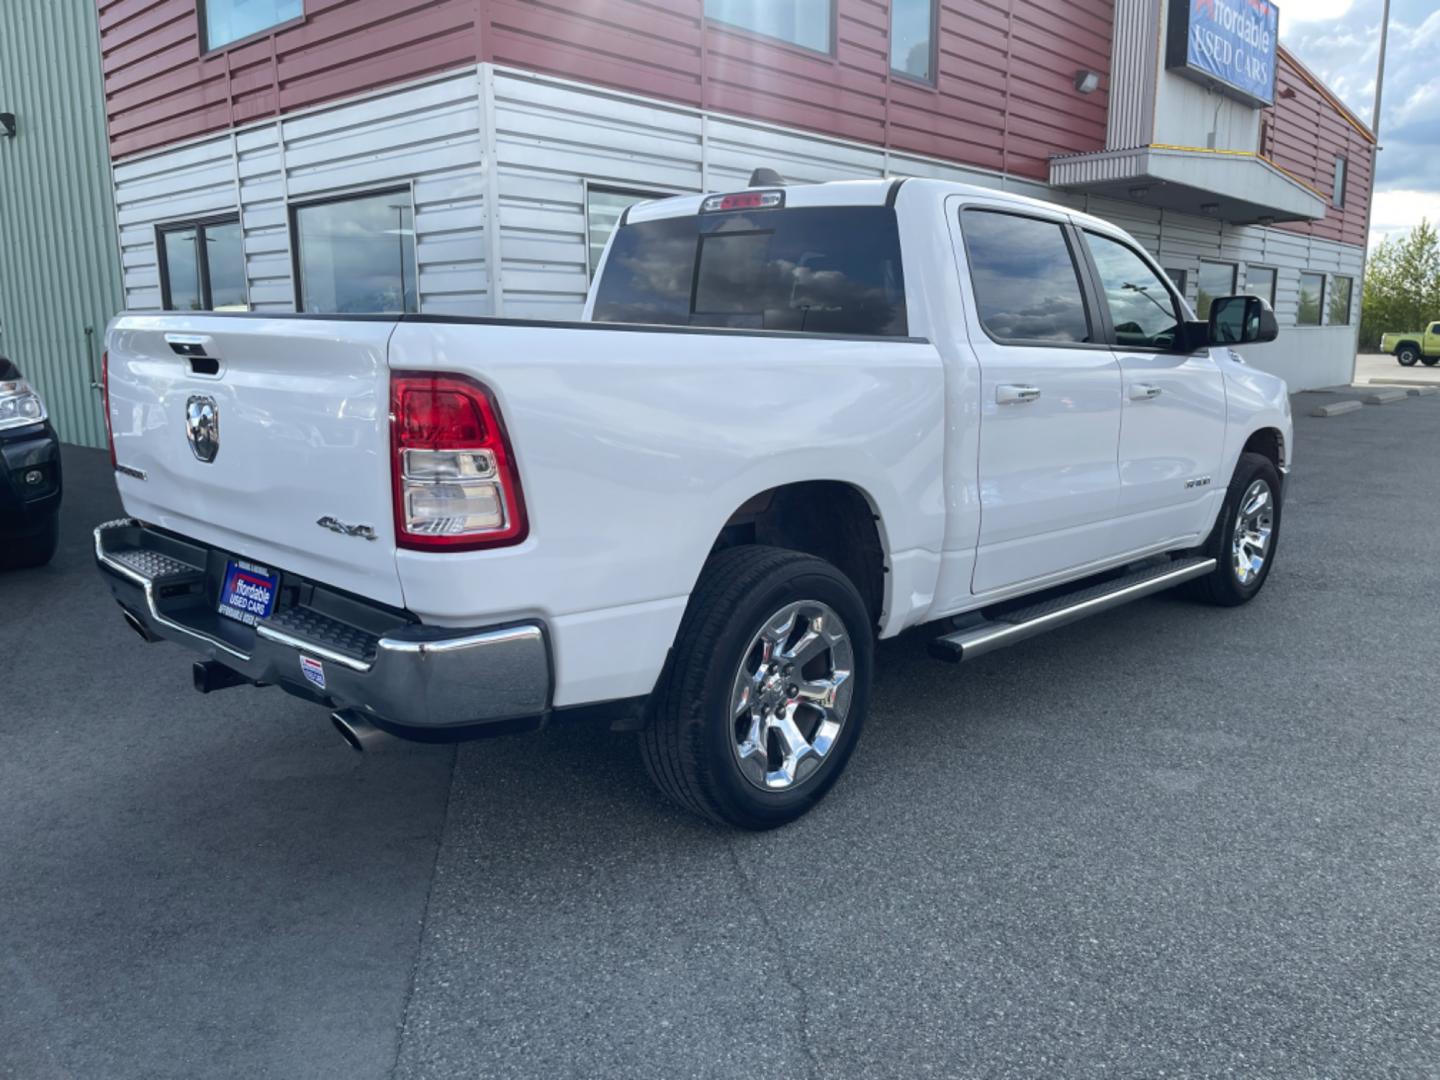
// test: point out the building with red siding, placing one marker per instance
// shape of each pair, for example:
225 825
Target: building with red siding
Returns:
472 156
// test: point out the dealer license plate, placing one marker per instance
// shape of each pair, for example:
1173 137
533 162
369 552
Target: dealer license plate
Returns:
248 594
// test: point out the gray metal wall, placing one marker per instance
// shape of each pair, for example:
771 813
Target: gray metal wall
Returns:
511 239
59 270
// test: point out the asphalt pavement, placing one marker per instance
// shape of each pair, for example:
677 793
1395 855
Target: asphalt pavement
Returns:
1383 368
1173 841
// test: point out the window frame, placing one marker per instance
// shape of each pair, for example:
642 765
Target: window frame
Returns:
904 76
1274 281
202 265
1182 309
1096 322
1299 299
614 189
292 218
1331 279
831 52
1340 182
203 26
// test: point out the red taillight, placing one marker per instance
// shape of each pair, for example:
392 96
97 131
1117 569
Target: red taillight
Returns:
743 200
105 403
454 478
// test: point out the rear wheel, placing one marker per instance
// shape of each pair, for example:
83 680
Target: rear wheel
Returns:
767 691
1246 536
36 549
1407 355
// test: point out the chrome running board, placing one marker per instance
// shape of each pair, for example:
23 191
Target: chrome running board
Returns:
1016 626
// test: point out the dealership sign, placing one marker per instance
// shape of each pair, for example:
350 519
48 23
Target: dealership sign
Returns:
1229 44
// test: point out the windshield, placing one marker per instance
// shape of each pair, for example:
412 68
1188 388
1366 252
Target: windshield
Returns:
829 270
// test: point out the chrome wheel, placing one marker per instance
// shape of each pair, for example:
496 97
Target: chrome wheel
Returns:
791 695
1254 529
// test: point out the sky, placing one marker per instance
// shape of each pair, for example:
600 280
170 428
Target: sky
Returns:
1340 41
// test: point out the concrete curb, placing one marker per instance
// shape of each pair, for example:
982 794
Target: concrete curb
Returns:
1385 397
1338 408
1422 391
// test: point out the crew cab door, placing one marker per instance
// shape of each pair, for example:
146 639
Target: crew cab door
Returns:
1172 429
1431 345
1049 397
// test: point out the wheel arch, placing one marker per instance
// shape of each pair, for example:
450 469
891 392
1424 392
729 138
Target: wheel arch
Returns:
1402 344
834 520
1268 442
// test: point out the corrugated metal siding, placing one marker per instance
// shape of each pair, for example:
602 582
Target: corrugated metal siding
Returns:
1134 64
59 273
1004 97
427 137
1304 135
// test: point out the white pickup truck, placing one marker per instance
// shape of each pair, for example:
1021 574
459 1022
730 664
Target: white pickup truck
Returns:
795 419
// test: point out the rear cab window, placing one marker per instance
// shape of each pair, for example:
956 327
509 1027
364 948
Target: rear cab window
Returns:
826 270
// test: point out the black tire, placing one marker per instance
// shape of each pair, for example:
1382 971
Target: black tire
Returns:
1430 361
27 552
1407 355
689 743
1224 586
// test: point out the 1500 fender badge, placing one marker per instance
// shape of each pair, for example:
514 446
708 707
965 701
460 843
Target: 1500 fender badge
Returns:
365 532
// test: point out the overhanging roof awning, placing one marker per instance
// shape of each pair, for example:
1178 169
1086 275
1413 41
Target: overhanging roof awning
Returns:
1231 185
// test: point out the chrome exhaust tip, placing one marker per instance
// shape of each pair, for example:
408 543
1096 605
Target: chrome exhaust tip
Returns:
360 734
133 621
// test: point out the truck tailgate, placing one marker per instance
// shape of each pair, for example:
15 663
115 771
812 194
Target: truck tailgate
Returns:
302 437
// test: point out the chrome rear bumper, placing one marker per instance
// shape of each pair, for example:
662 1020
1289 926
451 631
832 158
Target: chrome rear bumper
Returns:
340 652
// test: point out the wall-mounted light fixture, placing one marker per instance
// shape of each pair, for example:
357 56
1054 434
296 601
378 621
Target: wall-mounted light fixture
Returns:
1210 209
1141 192
1087 81
7 125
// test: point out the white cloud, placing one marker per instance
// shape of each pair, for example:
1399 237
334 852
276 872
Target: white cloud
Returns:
1315 10
1397 212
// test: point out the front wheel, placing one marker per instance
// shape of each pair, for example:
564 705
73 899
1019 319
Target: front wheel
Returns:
1430 361
1407 355
767 690
1246 536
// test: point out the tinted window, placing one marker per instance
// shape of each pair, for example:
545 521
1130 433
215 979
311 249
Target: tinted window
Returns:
1027 287
1216 279
801 22
357 255
203 267
912 41
1340 289
1260 281
820 270
182 271
225 257
1312 288
1337 197
603 207
1141 307
231 20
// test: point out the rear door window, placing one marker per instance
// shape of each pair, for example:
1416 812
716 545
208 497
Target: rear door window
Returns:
1027 286
832 270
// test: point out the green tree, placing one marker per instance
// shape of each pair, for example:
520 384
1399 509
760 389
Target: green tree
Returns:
1402 285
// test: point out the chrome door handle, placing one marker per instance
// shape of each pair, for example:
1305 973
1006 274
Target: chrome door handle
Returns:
1144 392
1017 395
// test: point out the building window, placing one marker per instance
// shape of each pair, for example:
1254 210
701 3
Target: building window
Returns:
1178 278
1260 281
1312 293
1027 286
1342 169
808 23
202 266
1341 289
356 254
603 207
1216 280
230 20
912 38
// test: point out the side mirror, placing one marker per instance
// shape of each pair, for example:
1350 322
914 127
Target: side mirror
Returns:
1242 320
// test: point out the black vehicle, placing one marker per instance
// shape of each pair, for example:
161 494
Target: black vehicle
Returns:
30 480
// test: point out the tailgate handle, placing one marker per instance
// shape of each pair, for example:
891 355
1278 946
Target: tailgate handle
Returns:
197 348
